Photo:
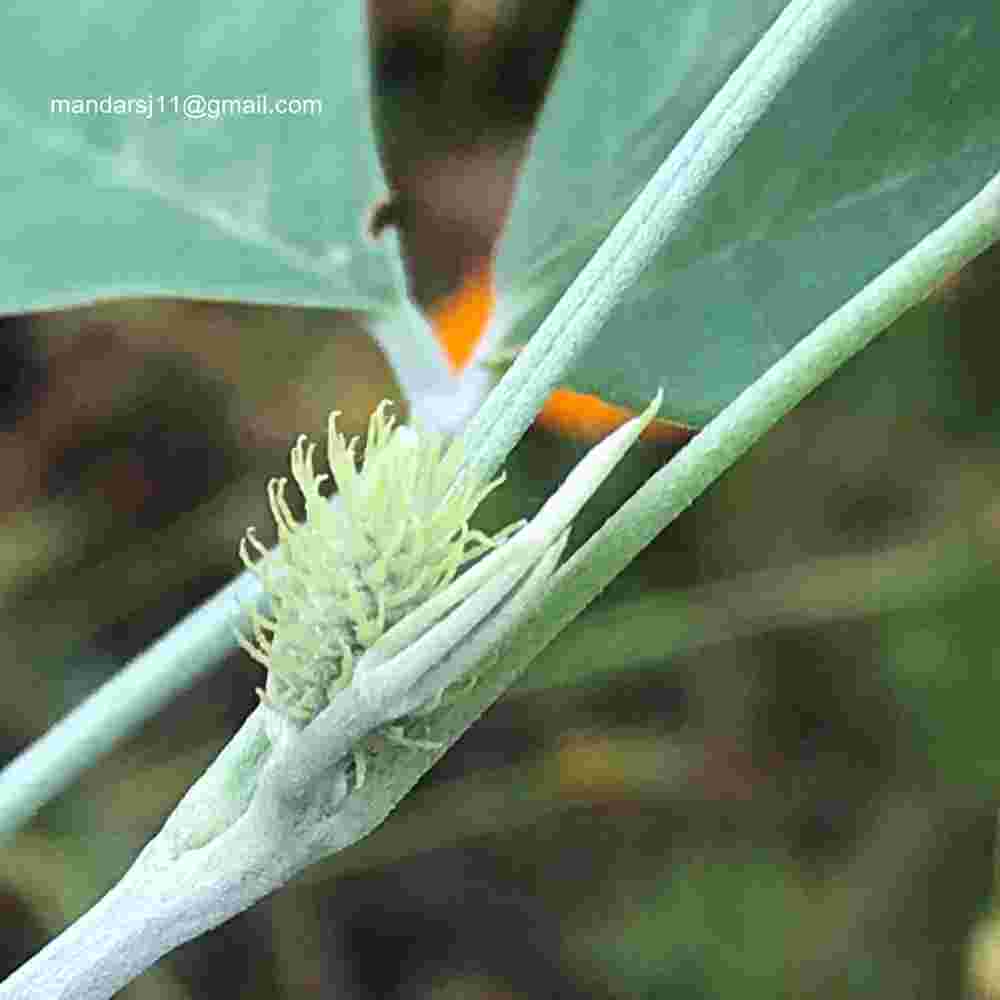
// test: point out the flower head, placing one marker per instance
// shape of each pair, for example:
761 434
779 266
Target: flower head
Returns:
397 533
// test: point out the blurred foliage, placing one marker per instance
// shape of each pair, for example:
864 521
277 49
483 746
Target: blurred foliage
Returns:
763 765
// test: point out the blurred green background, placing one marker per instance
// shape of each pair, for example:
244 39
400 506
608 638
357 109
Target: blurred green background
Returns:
763 765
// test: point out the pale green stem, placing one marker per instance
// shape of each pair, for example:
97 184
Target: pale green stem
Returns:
651 221
733 432
663 625
153 679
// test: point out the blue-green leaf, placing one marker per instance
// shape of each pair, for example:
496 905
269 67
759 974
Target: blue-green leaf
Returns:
117 200
891 126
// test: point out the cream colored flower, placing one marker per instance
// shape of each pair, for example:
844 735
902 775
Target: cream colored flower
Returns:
350 570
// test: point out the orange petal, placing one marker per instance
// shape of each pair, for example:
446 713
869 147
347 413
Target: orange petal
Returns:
589 418
459 322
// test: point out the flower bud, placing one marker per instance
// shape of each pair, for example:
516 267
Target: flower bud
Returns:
396 534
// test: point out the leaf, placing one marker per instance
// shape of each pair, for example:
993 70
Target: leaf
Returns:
146 202
890 127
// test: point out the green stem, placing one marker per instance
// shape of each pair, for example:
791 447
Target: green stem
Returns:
733 432
655 217
153 679
662 625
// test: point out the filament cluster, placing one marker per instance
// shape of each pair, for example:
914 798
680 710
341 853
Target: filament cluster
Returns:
395 534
